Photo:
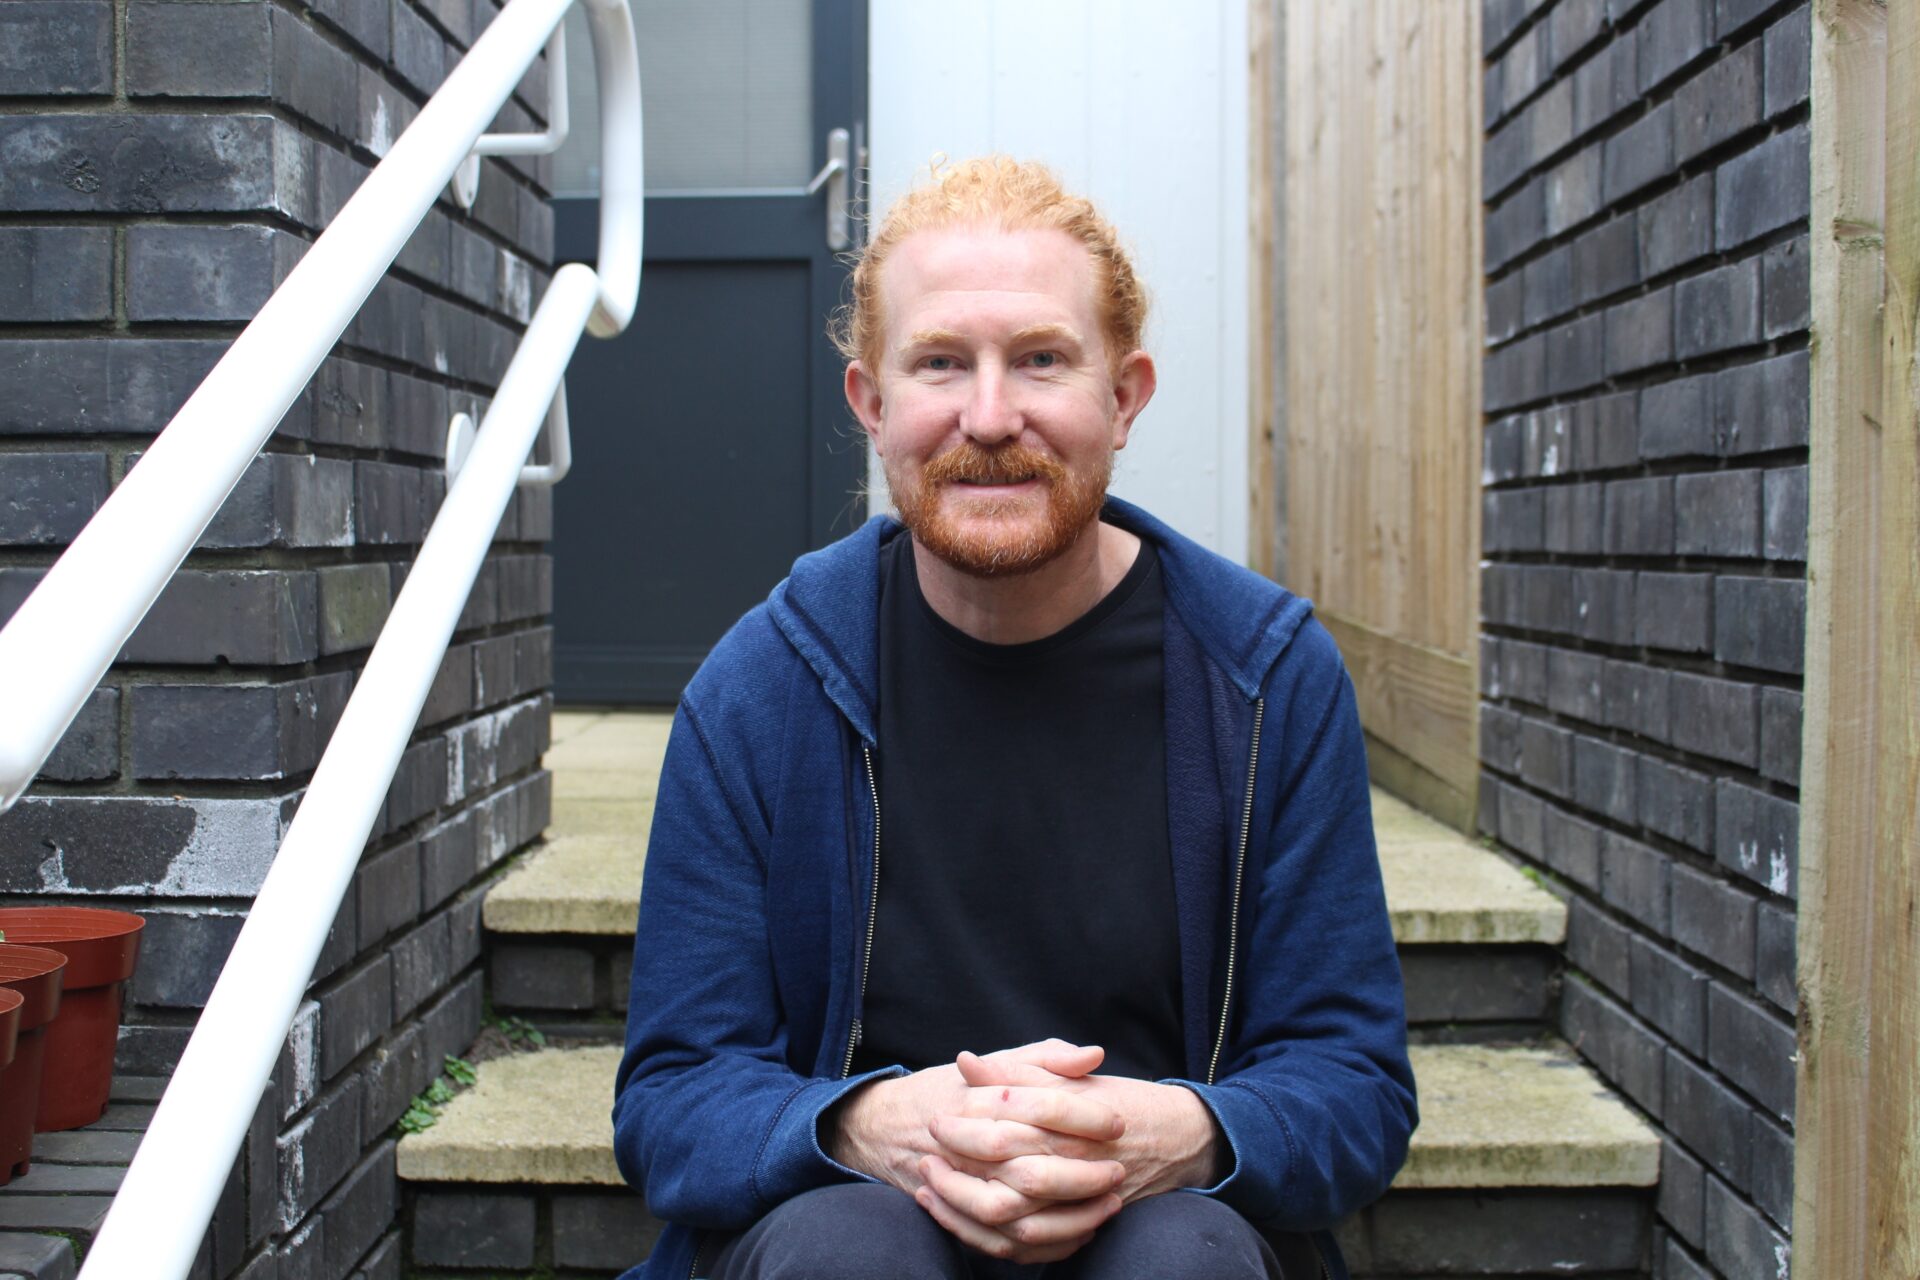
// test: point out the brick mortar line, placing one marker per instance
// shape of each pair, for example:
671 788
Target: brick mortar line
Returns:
1644 656
1717 566
1769 460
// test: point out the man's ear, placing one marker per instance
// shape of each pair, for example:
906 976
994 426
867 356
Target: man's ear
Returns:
863 397
1132 387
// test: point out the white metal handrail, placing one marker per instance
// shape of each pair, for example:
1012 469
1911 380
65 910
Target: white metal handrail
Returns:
65 635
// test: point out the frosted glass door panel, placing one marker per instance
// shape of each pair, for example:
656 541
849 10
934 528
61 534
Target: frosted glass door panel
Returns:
727 90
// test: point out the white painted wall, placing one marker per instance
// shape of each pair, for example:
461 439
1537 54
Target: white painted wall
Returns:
1142 105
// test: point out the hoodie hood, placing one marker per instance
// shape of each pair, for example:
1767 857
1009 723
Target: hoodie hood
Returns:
829 609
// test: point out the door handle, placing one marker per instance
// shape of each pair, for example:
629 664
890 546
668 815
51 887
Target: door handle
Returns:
836 175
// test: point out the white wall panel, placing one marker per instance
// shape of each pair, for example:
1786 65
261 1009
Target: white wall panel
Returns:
1143 106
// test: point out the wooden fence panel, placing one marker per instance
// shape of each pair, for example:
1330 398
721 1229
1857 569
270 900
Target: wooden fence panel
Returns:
1383 348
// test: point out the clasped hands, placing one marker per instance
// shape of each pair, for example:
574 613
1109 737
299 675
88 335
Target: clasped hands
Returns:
1024 1153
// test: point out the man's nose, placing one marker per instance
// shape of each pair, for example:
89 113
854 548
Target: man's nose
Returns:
991 415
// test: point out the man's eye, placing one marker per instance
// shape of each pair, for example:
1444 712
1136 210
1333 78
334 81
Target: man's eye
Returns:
1043 359
940 364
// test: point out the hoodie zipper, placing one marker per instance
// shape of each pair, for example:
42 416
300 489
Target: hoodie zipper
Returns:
873 915
1239 879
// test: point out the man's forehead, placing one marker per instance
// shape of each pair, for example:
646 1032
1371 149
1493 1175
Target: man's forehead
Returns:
1047 271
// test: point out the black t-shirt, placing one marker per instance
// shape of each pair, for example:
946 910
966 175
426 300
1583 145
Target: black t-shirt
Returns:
1026 880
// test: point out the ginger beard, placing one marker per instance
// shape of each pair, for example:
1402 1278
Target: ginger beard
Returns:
989 535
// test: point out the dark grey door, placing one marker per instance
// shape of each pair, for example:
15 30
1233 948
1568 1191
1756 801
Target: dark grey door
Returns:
711 442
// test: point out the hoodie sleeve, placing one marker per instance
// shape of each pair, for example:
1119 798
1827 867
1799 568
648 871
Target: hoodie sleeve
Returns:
1314 1092
710 1122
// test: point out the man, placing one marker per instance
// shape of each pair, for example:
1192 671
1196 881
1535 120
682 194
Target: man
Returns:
1126 825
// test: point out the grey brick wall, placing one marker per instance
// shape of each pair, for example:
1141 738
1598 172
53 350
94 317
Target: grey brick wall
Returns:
1646 187
163 166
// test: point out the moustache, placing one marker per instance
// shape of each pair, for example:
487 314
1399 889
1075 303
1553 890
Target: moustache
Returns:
970 463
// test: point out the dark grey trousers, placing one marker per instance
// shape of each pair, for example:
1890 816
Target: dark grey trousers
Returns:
866 1231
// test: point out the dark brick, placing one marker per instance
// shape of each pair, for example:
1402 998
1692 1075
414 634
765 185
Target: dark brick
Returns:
1605 432
1676 803
361 1211
65 386
1639 516
1774 957
1598 947
1772 1180
1671 994
1523 670
1682 1192
1605 260
1714 919
35 1257
47 498
1760 622
540 976
1635 879
602 1232
448 860
180 50
302 1255
421 965
451 693
1717 718
395 1072
419 785
1640 332
1573 191
1515 225
388 887
468 1229
1676 611
1575 354
252 732
1676 227
1623 1048
89 751
1523 821
71 163
1549 121
1574 684
1763 188
53 274
1780 735
56 47
1516 373
1753 1048
1718 103
385 1262
354 1014
1756 835
1636 699
1739 1241
1676 418
286 500
1505 1233
1785 288
1718 514
206 273
1549 287
318 1151
1544 447
493 662
1673 33
1546 757
1574 519
1570 846
419 54
1789 46
463 931
533 660
1504 156
1605 85
245 617
1602 600
1718 310
1785 516
354 600
1762 405
1505 301
388 503
182 953
1572 25
1709 1117
1732 15
1641 153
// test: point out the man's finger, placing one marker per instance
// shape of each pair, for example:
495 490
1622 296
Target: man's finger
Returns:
1045 1177
996 1141
986 1200
1060 1057
1057 1109
987 1240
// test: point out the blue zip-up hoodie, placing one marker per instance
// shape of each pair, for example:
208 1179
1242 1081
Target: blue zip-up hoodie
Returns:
754 917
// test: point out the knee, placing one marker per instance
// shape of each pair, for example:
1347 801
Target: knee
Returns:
859 1232
1177 1237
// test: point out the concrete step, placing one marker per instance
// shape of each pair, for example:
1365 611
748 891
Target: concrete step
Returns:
1475 934
1519 1146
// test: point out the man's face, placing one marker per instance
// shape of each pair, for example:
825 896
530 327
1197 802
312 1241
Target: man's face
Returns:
995 408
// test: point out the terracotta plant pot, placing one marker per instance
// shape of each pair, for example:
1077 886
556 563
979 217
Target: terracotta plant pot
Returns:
101 947
34 974
10 1004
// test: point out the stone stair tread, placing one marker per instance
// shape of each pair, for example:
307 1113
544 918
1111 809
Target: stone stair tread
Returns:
1491 1116
1444 888
543 1117
1532 1116
1441 886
